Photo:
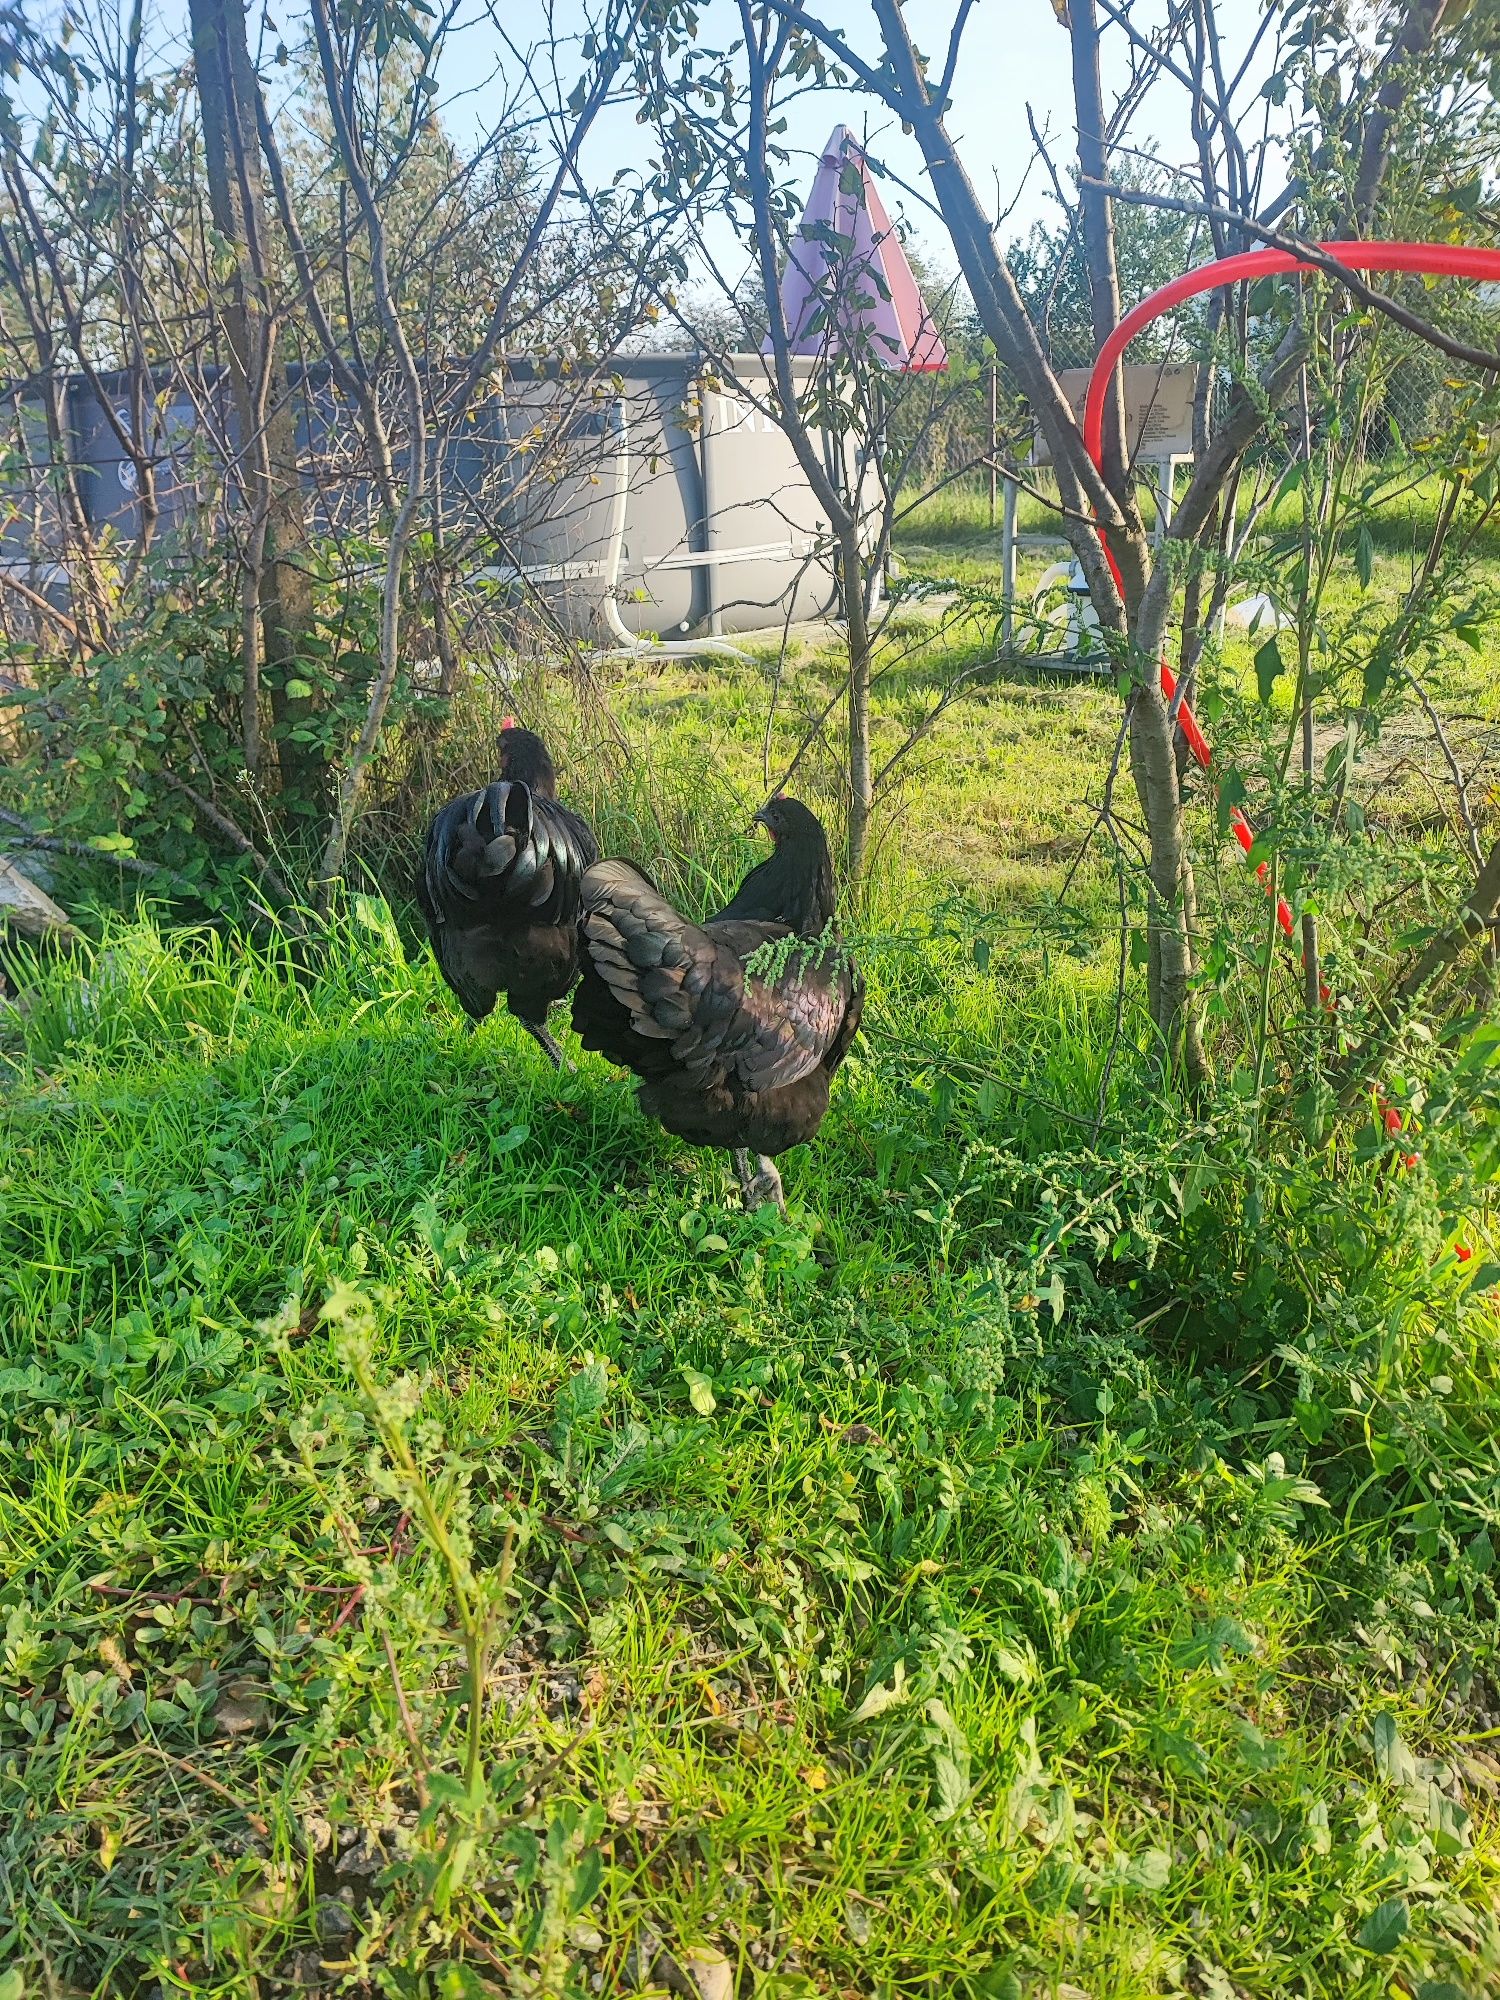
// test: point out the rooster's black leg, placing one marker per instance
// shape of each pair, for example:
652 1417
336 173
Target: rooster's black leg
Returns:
550 1047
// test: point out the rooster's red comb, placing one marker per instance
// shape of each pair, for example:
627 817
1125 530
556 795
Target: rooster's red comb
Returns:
509 722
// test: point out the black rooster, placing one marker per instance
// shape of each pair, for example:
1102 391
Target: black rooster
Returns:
735 1027
500 889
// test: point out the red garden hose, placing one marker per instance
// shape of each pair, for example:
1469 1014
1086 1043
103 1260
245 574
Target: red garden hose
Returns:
1453 260
1431 259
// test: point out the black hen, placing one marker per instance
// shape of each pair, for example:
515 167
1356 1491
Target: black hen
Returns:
500 889
727 1055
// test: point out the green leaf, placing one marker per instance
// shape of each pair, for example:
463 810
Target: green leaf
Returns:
1000 1983
1178 1752
1262 296
700 1392
1268 665
587 1881
1392 1758
1385 1455
1150 1870
1260 1752
1232 792
1448 1823
951 1785
1467 197
299 690
880 1697
1312 1419
1316 1837
1011 1664
1468 628
1385 1926
1364 555
989 1100
585 1393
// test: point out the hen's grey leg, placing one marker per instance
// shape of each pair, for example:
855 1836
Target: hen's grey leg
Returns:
764 1186
549 1046
767 1185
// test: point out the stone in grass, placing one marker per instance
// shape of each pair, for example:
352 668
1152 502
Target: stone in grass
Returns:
29 908
700 1973
711 1974
335 1923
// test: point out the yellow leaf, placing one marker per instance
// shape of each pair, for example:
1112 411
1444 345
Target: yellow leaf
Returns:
815 1777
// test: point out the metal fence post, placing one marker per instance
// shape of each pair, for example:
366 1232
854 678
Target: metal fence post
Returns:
1007 563
994 412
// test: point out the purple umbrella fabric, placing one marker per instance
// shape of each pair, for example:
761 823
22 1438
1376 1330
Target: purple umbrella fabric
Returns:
847 284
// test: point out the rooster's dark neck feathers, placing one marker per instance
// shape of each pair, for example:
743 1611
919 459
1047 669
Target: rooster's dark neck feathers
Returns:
524 761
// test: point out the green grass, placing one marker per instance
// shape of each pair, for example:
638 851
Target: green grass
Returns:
1055 1561
896 1608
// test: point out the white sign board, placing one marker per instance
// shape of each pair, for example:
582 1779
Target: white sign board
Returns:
1158 409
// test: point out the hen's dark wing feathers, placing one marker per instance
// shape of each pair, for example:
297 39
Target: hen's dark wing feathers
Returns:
685 986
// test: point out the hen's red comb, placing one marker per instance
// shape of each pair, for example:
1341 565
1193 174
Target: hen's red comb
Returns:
509 722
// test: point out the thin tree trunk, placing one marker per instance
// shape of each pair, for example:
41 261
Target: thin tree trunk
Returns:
277 537
841 508
1410 43
861 784
1172 910
1312 978
352 783
1098 224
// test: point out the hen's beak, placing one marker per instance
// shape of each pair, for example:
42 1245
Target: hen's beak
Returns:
760 819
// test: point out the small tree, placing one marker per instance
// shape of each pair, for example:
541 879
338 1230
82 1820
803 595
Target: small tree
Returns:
165 223
277 587
833 385
1354 128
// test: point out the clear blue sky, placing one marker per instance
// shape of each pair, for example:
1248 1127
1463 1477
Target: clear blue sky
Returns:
1015 54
